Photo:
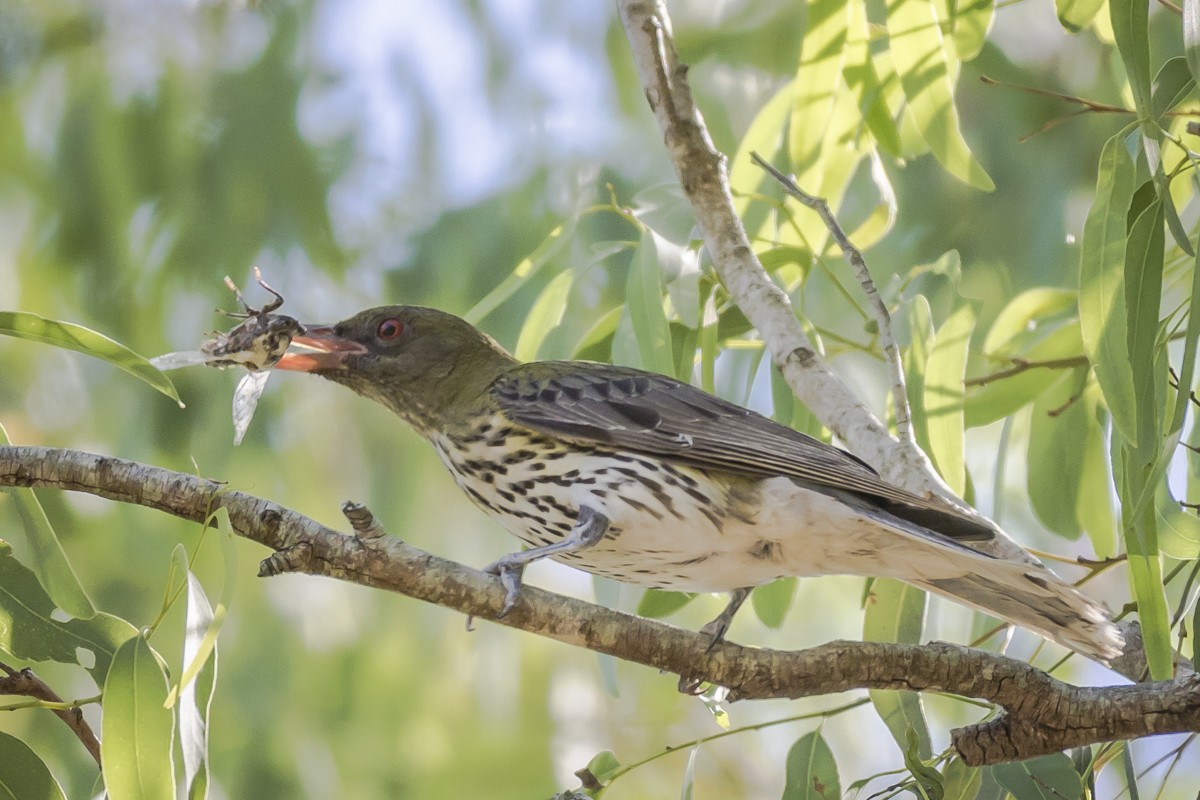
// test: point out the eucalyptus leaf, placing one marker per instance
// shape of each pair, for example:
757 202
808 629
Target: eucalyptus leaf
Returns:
138 730
23 775
812 773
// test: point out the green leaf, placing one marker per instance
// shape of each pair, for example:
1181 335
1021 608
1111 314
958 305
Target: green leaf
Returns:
198 680
137 729
687 791
656 603
49 559
896 613
944 393
1172 85
603 766
1133 41
916 362
545 315
1021 313
1178 530
929 780
864 83
1093 508
1076 15
644 298
772 600
1143 293
1058 431
960 782
23 775
1051 777
1102 304
818 79
746 180
596 344
70 336
1191 36
811 770
521 274
928 71
972 21
28 632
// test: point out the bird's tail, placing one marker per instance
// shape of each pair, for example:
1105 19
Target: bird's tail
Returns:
1035 598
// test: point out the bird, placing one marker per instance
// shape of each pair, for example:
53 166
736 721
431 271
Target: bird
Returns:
646 479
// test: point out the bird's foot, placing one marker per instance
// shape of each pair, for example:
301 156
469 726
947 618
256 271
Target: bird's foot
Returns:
509 569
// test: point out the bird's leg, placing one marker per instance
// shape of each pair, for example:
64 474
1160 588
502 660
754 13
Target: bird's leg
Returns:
718 627
590 527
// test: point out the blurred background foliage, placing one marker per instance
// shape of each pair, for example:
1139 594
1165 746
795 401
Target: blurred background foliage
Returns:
467 155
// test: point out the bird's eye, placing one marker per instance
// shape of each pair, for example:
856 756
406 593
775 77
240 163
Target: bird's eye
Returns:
389 330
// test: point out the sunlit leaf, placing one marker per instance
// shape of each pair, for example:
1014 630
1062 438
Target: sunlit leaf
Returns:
1093 507
198 679
972 21
811 770
860 75
1172 85
49 560
818 79
928 69
746 179
1021 313
70 336
1191 36
1075 15
944 393
1102 304
23 775
138 729
916 363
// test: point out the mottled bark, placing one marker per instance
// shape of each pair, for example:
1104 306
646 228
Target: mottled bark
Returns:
1042 714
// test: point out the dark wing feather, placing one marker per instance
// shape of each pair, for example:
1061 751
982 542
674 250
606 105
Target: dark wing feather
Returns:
652 414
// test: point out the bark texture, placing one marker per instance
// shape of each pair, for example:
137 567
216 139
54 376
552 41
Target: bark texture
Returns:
1041 714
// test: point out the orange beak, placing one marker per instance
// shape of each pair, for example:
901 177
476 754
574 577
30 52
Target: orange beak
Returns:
326 350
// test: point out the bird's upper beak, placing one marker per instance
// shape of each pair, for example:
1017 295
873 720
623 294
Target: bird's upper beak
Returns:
321 348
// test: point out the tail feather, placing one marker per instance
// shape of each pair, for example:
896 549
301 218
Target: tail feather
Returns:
1037 599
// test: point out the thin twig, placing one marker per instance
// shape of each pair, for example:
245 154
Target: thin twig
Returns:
858 264
24 683
1020 365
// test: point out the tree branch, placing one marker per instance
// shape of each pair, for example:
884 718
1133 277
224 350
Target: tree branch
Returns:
703 176
1042 714
24 683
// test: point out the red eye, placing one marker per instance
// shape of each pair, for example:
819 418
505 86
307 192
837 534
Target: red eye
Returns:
389 330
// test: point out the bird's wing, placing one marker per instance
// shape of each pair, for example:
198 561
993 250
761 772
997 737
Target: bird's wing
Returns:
644 412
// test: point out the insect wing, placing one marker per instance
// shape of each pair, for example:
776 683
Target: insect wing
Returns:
185 358
245 400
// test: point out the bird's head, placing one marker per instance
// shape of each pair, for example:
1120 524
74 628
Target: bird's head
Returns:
422 363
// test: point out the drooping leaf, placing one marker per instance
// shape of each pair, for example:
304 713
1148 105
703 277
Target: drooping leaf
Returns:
895 612
545 315
138 729
198 679
644 298
811 770
972 21
47 555
1003 396
944 393
916 364
818 79
959 781
928 70
1172 85
861 77
23 775
1058 431
1022 312
526 270
1102 304
1093 507
1191 36
70 336
1178 530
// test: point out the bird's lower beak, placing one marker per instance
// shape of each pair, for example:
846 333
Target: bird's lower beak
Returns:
320 349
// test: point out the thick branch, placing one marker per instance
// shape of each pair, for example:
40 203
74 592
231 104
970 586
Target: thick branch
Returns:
1042 714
